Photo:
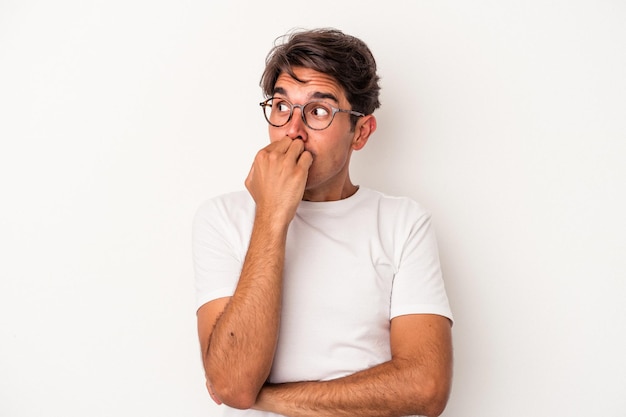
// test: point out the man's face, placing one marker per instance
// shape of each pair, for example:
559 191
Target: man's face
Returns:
332 147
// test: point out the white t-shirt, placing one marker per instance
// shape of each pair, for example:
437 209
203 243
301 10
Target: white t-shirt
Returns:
350 267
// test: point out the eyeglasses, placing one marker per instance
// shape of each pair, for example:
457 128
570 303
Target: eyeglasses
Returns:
316 115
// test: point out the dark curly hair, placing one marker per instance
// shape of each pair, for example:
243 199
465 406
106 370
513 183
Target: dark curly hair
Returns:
345 58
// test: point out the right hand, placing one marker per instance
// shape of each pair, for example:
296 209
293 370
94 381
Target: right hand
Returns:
278 178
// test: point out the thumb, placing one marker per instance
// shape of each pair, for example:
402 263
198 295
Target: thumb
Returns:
305 160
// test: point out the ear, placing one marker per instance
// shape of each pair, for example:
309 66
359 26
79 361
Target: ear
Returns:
362 131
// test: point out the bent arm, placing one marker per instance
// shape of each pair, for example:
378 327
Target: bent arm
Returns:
238 334
416 380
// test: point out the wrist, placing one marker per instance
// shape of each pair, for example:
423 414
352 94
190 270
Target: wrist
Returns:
273 218
263 400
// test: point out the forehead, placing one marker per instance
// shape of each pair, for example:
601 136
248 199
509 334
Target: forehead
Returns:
309 84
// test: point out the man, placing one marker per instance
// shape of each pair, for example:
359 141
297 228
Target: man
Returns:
318 297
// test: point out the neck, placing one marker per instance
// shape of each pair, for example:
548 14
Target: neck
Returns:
346 191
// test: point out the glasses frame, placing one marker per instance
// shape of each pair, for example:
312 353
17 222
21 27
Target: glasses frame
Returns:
335 110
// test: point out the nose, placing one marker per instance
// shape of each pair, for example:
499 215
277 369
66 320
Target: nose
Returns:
296 129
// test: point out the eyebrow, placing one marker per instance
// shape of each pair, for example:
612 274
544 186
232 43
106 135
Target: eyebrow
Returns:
316 95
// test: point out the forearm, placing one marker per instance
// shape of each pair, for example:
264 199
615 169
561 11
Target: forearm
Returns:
241 348
394 388
239 335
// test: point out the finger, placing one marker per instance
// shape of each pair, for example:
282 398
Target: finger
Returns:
305 160
281 145
296 147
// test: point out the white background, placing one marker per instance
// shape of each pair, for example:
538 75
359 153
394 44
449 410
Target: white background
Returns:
506 119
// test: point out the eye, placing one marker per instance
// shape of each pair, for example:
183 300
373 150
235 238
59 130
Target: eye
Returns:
281 106
319 111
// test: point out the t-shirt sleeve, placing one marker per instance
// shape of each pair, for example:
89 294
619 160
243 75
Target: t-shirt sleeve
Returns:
418 286
216 258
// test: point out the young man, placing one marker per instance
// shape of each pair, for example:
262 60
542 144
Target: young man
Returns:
318 297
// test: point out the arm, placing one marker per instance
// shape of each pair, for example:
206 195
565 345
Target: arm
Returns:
415 381
238 334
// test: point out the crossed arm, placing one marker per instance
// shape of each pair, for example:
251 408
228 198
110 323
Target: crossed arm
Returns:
415 381
238 338
238 334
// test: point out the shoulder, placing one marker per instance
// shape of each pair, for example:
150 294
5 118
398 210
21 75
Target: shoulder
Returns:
398 208
231 208
237 202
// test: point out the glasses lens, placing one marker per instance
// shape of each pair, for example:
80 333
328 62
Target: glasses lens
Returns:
318 115
277 111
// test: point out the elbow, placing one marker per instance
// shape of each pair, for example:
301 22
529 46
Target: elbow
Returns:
435 409
232 394
241 401
434 398
231 385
